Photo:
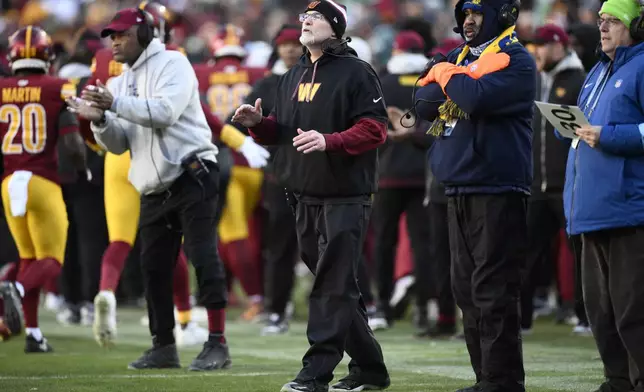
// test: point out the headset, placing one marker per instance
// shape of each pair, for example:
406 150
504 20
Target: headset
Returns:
145 30
636 28
509 13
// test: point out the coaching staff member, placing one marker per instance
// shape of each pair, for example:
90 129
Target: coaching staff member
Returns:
153 110
483 156
604 196
329 118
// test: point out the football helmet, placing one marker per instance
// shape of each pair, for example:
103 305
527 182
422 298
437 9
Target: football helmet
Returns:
30 47
229 42
164 19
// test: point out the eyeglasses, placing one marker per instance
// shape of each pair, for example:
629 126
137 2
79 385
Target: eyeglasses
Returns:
610 21
313 17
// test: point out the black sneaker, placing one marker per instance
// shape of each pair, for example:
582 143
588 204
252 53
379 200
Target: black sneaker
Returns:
473 388
356 382
158 357
309 386
33 346
438 330
275 325
12 308
213 356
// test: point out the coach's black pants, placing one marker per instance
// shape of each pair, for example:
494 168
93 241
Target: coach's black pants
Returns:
331 236
279 248
86 241
188 210
613 278
388 206
487 235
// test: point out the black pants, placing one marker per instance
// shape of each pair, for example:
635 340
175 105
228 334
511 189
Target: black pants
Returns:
86 241
188 210
389 205
8 250
545 220
580 309
439 255
279 248
331 238
613 273
487 235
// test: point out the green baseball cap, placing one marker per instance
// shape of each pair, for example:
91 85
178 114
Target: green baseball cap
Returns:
624 10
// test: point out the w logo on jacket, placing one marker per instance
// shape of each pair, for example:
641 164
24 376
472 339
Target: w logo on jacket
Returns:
306 91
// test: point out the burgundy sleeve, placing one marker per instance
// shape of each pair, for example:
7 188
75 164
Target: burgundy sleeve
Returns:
266 131
365 135
213 122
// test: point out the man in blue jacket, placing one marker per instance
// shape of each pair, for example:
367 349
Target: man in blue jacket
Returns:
481 102
604 196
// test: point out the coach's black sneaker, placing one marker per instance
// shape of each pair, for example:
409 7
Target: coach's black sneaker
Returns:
12 314
214 355
485 386
34 346
615 385
158 357
308 386
359 382
438 330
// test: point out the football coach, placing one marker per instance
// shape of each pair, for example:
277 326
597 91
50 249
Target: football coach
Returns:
153 110
328 120
481 102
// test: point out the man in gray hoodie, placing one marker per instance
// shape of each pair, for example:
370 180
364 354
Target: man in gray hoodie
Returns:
153 110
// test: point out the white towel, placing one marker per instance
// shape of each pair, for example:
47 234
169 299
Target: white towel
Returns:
19 192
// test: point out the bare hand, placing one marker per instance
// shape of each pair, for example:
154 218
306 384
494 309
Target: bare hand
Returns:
589 134
83 109
309 141
247 115
400 131
98 96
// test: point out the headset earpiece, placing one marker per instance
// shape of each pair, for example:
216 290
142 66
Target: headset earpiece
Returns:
145 31
637 28
509 13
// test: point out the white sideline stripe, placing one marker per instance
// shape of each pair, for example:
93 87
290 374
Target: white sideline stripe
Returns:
131 376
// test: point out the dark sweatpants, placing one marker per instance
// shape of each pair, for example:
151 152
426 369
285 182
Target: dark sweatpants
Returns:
613 273
331 237
487 234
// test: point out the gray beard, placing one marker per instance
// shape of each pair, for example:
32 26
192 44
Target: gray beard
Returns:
307 41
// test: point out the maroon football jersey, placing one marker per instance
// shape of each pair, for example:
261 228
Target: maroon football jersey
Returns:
29 111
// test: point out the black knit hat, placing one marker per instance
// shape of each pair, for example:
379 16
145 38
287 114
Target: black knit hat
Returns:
334 12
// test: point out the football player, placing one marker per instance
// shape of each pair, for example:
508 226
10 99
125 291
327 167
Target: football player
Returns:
33 120
122 208
224 84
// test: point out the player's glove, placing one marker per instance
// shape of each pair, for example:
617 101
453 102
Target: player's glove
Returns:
256 155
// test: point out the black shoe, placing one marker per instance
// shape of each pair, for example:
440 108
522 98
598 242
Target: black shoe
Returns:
213 356
485 386
309 386
615 385
438 330
158 357
473 388
12 308
34 346
354 382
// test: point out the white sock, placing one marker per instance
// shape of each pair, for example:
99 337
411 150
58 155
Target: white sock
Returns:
20 289
35 332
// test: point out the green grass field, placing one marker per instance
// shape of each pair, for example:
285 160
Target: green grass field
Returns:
555 361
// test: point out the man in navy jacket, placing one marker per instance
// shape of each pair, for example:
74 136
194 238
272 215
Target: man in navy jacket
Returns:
481 102
604 197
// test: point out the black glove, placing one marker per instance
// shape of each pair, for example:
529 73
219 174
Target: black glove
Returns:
437 58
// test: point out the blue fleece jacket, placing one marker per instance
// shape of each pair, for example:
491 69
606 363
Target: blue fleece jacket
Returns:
605 185
491 152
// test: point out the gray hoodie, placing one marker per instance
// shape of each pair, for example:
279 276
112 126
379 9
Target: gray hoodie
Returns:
157 115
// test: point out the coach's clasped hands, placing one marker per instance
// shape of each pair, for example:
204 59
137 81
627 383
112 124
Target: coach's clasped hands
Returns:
309 141
98 96
589 134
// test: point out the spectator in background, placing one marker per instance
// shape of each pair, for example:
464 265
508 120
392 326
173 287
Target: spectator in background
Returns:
561 77
604 196
584 39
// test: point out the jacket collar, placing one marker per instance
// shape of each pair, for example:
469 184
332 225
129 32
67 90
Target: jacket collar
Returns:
155 47
571 61
624 54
